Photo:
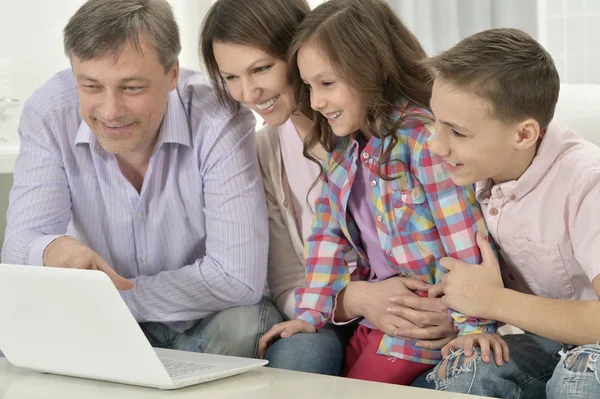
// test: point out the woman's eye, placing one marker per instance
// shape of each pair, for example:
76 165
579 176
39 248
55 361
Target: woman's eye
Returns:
262 69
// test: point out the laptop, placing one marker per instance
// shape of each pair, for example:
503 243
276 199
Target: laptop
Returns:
75 323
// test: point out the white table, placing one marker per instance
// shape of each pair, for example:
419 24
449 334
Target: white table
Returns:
16 383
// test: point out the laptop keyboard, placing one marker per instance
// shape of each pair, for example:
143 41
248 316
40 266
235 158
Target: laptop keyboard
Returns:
178 368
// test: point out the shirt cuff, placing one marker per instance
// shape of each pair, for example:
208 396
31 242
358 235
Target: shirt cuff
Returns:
37 248
127 296
339 323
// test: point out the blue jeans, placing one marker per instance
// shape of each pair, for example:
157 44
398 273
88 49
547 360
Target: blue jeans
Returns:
320 353
233 332
538 368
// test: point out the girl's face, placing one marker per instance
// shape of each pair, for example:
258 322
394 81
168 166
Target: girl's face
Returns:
342 105
256 79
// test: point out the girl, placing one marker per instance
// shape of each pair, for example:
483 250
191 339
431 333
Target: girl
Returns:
384 194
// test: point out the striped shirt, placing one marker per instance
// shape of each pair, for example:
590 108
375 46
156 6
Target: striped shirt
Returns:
194 240
420 215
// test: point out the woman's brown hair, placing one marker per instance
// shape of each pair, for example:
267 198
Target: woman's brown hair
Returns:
265 24
372 51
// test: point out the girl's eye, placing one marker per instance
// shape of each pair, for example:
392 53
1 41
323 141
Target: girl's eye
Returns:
327 84
230 77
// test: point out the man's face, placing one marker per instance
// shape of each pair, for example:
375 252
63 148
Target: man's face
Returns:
124 101
474 145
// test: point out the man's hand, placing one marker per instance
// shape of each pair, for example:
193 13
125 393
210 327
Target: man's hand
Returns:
283 330
471 289
67 252
486 342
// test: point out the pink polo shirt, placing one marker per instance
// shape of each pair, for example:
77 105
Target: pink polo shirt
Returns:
547 224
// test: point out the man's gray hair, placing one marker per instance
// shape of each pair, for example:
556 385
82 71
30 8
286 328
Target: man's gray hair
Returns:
105 27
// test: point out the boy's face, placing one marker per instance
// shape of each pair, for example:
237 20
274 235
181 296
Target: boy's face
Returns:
474 145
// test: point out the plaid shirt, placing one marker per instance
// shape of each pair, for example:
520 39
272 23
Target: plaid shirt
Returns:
422 216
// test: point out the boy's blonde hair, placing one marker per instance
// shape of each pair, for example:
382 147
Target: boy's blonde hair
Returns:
506 67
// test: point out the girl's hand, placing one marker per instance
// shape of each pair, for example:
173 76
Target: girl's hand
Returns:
485 342
283 330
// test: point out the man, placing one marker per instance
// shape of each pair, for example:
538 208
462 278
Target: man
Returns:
159 181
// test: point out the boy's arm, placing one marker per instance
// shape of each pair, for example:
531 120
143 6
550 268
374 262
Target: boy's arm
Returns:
456 214
550 318
554 318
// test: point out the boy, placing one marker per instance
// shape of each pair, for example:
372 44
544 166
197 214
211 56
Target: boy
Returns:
538 184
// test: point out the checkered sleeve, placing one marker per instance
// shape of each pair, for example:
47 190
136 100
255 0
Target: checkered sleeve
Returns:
456 214
327 272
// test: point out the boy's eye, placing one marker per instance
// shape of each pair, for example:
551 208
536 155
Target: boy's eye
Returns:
133 89
457 134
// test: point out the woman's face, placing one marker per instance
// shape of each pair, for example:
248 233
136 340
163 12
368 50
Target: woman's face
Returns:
256 79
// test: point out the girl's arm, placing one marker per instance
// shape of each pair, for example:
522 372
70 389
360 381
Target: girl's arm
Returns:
327 272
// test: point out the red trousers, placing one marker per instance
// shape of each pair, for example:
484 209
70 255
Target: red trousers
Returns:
364 363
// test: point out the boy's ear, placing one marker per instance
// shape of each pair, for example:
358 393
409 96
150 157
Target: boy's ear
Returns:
527 134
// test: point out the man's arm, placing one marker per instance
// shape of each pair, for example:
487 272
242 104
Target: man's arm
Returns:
233 271
40 200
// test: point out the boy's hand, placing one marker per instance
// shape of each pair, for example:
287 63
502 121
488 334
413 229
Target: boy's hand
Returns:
283 330
485 343
471 289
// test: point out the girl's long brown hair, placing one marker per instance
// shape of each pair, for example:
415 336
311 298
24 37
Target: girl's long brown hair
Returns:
372 51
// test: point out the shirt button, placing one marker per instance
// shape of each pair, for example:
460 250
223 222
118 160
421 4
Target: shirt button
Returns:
379 218
139 214
493 211
365 155
388 251
143 258
511 276
373 183
513 197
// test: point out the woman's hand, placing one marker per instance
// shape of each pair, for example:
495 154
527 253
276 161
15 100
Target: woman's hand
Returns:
283 330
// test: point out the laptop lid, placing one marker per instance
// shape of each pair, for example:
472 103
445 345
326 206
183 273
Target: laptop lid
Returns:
73 322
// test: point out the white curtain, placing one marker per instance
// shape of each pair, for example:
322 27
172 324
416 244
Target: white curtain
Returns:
440 24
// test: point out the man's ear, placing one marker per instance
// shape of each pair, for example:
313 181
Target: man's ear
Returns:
173 75
527 134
